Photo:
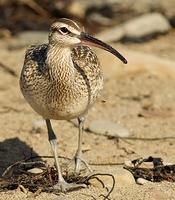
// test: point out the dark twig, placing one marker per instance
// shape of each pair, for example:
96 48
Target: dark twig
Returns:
92 176
99 180
132 138
36 157
19 163
66 158
148 139
108 163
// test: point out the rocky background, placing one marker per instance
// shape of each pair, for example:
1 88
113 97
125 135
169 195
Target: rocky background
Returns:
135 117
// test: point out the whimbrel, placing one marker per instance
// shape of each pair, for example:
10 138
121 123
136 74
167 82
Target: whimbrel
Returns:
62 79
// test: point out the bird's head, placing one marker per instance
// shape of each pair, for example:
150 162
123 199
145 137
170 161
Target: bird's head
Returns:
67 33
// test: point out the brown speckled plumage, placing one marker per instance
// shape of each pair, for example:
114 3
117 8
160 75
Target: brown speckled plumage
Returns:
62 80
60 91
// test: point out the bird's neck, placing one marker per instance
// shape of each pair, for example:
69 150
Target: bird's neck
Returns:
60 63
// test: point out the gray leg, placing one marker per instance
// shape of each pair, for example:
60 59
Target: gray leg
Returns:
53 143
62 185
78 155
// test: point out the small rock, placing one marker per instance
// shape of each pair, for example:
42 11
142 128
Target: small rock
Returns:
108 128
99 19
146 25
35 170
141 181
115 33
122 177
137 28
167 163
129 163
147 165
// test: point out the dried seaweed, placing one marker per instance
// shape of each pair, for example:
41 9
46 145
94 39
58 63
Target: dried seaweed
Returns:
159 172
18 175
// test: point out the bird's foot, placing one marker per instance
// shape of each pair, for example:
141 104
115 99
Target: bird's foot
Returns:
63 186
78 161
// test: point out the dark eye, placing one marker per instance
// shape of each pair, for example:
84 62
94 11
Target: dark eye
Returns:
64 30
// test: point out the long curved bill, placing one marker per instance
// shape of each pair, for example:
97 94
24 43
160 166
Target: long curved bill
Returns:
89 40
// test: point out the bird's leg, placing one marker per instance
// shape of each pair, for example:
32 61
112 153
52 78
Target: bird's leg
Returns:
53 143
78 155
62 185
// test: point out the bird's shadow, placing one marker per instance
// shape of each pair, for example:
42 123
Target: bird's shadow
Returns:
13 150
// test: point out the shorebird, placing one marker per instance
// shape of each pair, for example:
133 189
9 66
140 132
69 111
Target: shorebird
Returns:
62 79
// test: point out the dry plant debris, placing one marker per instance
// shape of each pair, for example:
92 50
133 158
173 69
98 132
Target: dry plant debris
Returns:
159 172
18 175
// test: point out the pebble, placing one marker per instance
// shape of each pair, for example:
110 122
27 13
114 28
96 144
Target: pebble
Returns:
137 28
145 25
99 19
35 170
141 181
122 177
167 163
108 128
115 33
129 163
135 7
147 165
